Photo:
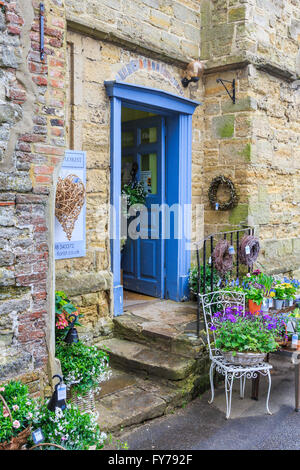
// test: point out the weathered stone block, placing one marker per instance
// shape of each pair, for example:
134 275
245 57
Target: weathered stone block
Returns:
242 104
7 277
223 126
237 14
239 215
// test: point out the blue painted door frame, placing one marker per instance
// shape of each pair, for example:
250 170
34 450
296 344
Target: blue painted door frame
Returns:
178 113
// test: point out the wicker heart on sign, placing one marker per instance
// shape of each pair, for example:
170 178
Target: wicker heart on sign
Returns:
70 197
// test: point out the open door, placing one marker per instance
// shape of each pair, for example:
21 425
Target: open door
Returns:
143 143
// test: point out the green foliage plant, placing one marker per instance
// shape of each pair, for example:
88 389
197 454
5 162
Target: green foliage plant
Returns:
22 408
83 367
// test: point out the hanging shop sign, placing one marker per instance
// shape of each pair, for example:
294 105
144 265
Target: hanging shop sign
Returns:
70 207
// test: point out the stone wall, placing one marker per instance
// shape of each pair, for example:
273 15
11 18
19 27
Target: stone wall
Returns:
274 174
32 145
91 62
263 32
227 146
169 28
224 39
273 26
254 142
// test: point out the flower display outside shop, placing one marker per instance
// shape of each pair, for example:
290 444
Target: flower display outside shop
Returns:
240 331
64 308
70 428
83 367
22 410
193 279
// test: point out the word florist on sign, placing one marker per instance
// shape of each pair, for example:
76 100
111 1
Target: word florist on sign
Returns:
70 207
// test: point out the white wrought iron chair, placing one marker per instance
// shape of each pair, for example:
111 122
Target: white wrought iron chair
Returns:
219 301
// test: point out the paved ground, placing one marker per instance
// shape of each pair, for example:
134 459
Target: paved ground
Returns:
203 426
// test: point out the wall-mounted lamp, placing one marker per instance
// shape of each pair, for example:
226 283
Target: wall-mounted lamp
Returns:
194 72
232 96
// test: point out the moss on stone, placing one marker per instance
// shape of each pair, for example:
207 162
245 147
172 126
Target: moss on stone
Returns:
239 214
246 152
227 130
223 126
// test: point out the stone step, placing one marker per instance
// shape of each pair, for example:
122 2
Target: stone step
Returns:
177 339
127 408
118 381
143 400
133 356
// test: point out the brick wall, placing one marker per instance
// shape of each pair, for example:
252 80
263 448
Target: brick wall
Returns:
32 145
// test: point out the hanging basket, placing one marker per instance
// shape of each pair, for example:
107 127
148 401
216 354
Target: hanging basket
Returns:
84 402
16 442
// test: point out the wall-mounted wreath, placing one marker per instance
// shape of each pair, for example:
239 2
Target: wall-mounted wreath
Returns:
213 190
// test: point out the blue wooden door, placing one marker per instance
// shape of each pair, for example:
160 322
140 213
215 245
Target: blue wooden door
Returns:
143 143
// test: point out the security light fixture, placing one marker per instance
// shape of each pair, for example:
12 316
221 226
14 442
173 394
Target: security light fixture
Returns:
194 72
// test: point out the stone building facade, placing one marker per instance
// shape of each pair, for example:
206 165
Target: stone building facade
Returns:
62 104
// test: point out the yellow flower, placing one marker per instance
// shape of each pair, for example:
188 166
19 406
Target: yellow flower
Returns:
272 294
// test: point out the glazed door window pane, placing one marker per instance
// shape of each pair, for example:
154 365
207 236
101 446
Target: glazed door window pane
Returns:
127 138
149 135
126 169
149 172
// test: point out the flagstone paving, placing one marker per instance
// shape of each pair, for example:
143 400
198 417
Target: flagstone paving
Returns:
202 426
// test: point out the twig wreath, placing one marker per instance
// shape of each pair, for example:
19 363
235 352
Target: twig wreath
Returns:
223 260
249 250
213 190
70 197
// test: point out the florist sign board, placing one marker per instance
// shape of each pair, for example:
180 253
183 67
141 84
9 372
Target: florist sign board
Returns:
70 207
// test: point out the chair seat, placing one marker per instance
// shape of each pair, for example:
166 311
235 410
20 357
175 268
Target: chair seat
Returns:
229 367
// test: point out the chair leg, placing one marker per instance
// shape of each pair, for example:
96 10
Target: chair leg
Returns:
228 392
242 386
211 378
268 395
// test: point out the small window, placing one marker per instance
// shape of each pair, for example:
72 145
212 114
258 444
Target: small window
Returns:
149 172
128 139
149 135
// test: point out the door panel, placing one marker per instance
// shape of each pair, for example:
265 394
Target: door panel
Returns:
143 258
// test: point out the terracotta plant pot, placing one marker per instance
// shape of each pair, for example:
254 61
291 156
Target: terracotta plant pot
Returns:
254 308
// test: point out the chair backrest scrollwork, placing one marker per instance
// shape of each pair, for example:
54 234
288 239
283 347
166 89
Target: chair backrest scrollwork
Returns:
214 302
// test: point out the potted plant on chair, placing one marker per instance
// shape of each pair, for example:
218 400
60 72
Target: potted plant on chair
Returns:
245 338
